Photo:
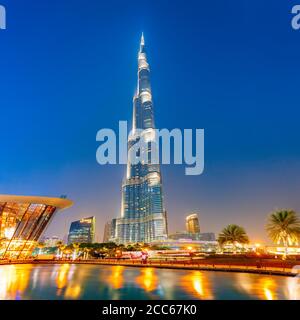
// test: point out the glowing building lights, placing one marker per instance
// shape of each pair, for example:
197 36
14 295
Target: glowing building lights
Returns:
22 222
143 217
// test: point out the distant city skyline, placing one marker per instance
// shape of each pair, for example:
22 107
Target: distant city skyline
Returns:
67 75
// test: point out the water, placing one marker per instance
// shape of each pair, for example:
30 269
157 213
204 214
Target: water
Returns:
96 282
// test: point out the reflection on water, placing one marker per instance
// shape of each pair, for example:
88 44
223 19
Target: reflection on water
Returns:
73 291
117 282
62 276
13 281
293 288
269 286
196 283
147 280
264 286
69 281
116 277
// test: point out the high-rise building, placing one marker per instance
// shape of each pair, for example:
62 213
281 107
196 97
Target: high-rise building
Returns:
82 231
110 231
107 232
192 223
23 219
143 216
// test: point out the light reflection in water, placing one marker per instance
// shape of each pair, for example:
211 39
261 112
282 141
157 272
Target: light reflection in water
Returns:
196 282
13 283
259 286
118 282
269 287
76 280
147 279
115 279
35 277
73 291
62 276
293 288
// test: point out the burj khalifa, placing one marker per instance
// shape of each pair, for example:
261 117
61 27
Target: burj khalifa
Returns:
143 215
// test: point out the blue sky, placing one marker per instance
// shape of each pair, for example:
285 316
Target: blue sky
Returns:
68 69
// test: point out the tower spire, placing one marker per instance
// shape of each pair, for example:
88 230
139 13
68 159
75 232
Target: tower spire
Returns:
142 39
142 43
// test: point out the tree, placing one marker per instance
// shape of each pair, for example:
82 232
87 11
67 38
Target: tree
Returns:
86 252
284 227
233 234
61 247
75 247
159 247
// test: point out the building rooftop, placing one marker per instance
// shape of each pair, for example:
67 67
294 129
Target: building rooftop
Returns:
60 203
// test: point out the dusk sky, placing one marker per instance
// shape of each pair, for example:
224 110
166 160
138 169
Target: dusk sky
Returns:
69 68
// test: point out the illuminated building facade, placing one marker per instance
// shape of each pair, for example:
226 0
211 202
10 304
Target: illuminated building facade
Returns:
187 244
143 216
82 231
192 223
207 236
22 222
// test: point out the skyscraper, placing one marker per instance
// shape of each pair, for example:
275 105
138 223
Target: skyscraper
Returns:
107 231
192 223
109 234
143 216
82 231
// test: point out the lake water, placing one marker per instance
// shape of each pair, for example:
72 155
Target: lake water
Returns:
65 281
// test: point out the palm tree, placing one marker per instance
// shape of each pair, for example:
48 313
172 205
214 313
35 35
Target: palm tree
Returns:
86 251
233 234
284 227
61 247
75 247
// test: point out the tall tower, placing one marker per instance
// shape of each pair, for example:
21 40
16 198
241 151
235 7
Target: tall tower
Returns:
143 216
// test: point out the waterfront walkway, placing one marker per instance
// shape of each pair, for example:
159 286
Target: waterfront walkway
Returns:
285 269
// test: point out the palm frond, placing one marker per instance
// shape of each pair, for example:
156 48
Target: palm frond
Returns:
284 227
233 234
